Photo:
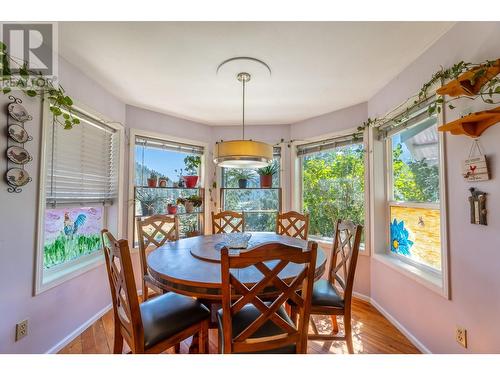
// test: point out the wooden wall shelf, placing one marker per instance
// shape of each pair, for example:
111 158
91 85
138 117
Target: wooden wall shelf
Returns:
463 86
474 124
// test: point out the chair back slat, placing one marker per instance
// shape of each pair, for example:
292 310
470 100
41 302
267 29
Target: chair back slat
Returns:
293 224
228 222
270 260
344 258
154 231
123 289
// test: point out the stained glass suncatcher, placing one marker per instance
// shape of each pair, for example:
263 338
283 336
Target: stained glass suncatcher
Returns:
71 233
416 233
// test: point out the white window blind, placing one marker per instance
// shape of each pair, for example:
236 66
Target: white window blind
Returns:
168 145
82 163
413 115
276 152
328 144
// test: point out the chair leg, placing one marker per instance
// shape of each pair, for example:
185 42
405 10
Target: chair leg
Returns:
335 325
144 291
118 340
219 342
177 348
348 333
203 338
193 348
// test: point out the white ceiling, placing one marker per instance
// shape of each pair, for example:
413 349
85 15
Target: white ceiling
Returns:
317 67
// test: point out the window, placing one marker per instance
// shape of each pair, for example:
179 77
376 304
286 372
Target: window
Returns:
79 195
167 161
259 206
333 183
414 203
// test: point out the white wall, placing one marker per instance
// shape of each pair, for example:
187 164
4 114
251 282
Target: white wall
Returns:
474 251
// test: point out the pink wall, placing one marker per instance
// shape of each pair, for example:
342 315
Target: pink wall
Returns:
474 250
59 311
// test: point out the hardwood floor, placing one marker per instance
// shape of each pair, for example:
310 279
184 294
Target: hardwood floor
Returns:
372 333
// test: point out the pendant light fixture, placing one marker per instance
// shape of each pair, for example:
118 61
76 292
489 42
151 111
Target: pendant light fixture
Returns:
243 153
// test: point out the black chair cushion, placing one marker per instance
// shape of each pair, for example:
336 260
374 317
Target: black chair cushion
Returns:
250 313
325 295
169 314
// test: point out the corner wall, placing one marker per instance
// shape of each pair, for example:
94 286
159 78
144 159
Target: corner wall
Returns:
473 250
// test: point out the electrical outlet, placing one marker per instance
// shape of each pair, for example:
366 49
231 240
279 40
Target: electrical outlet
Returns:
21 329
461 336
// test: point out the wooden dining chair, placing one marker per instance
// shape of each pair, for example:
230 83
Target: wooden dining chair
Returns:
228 222
247 324
153 232
333 296
155 325
292 224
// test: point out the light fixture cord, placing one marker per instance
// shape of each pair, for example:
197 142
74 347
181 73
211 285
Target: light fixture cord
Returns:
243 121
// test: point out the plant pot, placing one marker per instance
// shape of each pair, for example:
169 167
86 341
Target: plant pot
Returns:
266 181
190 181
162 182
152 182
171 209
147 209
193 233
242 183
189 207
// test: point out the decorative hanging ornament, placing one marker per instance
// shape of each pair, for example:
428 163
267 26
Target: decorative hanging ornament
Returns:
475 168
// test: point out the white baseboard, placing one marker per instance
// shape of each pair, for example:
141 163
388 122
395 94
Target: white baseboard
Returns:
394 322
401 328
61 344
362 297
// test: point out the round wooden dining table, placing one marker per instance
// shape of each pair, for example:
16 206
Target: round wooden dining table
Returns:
191 266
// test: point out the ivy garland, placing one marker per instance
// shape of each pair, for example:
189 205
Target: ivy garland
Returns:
34 84
486 93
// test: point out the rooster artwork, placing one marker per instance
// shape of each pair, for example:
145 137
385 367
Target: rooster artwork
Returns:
71 227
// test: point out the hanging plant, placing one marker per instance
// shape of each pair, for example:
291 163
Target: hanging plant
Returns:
34 84
483 82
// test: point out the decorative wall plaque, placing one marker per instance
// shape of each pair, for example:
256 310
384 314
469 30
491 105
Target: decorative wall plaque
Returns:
475 168
478 210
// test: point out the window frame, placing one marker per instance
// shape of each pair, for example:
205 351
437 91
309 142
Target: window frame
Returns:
298 181
133 133
282 160
48 279
391 202
381 153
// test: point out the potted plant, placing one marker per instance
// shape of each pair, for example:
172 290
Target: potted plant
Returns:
190 203
192 163
266 174
243 176
171 207
148 200
192 231
180 182
153 180
163 181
